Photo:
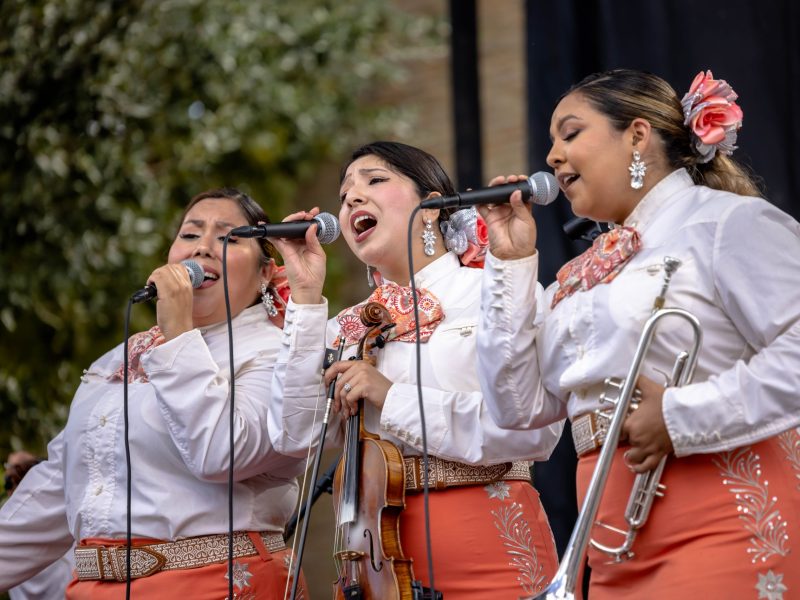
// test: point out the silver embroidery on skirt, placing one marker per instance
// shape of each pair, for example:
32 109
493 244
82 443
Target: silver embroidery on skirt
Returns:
741 470
516 535
241 580
770 586
499 489
789 442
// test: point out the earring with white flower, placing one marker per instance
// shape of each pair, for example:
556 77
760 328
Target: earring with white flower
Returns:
637 170
268 301
429 239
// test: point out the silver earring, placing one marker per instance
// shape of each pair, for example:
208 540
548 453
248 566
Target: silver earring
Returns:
637 170
371 276
429 238
268 301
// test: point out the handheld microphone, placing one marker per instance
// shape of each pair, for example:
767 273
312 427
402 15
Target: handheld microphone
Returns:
148 292
327 229
540 188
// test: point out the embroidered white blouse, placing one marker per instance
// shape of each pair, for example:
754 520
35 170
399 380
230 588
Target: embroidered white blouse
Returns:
740 275
459 427
179 441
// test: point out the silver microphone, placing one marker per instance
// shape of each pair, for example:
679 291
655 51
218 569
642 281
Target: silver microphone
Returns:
149 291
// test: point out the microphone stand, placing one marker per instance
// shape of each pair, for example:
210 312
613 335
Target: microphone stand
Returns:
581 228
329 359
325 484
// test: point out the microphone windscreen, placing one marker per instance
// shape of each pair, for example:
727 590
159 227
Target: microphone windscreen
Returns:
328 229
544 187
196 275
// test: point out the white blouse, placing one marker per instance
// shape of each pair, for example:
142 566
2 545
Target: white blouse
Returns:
459 427
179 441
740 276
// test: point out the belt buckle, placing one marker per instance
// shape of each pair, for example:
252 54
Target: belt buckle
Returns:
144 562
89 563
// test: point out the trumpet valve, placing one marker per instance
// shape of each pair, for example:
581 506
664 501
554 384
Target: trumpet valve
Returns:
613 387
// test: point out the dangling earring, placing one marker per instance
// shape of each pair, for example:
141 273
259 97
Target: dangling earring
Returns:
637 170
429 238
371 276
267 301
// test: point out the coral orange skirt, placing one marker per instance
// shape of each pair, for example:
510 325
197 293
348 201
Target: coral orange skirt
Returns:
490 541
727 527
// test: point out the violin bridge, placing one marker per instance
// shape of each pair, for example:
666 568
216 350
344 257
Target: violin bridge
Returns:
349 555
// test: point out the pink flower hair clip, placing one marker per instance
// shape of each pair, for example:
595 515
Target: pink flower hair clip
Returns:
710 110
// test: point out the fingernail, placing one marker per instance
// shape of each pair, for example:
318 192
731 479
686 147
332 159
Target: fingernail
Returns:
627 461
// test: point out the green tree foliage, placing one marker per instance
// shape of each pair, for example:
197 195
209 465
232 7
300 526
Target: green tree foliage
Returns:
114 113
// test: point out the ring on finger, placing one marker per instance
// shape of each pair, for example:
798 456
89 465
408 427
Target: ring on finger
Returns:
347 387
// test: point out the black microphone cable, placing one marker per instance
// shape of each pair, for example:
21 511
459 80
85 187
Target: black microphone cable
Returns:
146 293
418 366
229 323
128 487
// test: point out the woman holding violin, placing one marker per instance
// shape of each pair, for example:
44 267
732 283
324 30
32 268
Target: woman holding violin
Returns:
490 536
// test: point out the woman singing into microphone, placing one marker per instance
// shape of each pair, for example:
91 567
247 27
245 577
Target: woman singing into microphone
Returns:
178 382
628 150
490 536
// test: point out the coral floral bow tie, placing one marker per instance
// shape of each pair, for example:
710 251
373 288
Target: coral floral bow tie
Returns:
399 302
599 264
138 344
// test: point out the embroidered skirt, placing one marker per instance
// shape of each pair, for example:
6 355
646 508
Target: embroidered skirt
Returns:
258 577
727 527
490 541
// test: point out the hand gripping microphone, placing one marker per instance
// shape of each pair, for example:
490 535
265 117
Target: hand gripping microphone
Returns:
148 292
327 229
540 188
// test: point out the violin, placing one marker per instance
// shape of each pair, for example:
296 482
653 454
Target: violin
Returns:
369 495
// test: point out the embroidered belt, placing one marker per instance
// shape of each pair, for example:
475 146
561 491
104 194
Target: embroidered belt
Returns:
589 430
447 473
107 563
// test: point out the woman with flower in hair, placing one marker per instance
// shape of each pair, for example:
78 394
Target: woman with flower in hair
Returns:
687 224
490 537
179 416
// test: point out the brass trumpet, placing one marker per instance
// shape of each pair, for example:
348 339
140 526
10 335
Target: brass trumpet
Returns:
647 486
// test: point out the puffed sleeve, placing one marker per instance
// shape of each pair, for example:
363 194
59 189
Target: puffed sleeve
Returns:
508 367
756 271
298 394
33 524
193 395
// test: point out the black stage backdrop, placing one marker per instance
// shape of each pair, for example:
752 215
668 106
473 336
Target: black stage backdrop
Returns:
755 46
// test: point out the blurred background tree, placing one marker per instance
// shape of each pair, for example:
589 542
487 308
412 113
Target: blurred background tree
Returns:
114 113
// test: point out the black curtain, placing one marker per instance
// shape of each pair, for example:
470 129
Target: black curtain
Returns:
755 46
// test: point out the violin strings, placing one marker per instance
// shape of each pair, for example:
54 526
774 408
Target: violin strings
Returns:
339 534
